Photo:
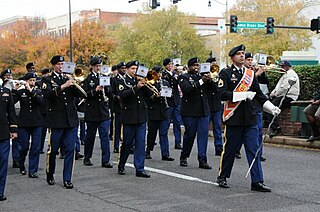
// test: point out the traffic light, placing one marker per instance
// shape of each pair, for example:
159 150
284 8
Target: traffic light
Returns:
175 1
233 23
154 4
315 24
270 25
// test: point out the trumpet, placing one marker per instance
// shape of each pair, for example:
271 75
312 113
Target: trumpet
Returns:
271 66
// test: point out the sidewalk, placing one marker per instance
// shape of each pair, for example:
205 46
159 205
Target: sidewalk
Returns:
293 141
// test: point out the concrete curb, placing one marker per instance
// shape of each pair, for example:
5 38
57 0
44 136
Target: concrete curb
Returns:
293 141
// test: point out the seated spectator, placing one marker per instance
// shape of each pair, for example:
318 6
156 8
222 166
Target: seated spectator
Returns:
280 90
312 112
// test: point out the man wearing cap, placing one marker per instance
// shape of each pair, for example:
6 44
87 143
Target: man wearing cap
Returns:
30 67
280 90
97 115
44 110
157 114
239 87
174 102
30 122
8 129
115 81
6 76
62 119
215 112
132 92
195 112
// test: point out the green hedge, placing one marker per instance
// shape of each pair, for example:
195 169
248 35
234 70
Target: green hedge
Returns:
309 80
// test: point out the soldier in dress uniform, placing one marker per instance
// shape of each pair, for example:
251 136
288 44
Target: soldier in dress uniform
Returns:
157 114
115 81
174 102
30 122
215 112
132 92
97 115
6 76
8 128
62 119
195 112
239 88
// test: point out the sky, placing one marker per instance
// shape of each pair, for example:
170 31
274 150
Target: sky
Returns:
52 8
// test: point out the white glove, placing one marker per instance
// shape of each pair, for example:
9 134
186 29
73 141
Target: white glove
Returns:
270 108
250 95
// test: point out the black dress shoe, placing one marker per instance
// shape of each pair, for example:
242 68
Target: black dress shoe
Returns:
2 197
116 151
78 156
148 156
41 152
50 179
131 151
178 146
107 165
262 158
68 185
238 155
222 182
204 166
87 162
23 170
258 186
33 175
313 138
15 164
183 162
218 152
121 171
82 142
143 174
167 158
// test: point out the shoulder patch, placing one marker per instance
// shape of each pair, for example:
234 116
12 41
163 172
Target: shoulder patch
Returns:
220 83
121 87
44 85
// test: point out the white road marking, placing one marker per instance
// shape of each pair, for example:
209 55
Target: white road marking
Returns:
172 174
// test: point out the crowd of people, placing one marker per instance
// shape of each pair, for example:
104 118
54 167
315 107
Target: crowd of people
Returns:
123 110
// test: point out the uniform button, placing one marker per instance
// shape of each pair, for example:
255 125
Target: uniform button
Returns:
30 110
65 98
138 97
66 103
63 92
201 95
29 97
99 100
138 102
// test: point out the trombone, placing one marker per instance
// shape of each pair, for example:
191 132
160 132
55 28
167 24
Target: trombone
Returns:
151 78
271 66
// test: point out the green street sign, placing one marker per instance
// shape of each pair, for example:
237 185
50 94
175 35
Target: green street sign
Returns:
251 25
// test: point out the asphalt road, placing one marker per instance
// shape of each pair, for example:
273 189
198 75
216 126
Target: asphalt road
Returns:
292 173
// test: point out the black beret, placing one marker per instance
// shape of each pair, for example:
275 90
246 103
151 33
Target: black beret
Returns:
29 75
95 61
119 65
6 71
193 61
132 63
285 63
29 65
234 50
113 68
167 61
211 59
56 59
248 55
45 71
157 69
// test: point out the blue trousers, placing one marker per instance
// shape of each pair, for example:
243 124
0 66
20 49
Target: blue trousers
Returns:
215 118
34 152
15 148
260 125
173 113
103 129
235 137
117 131
43 133
153 127
66 139
4 157
82 125
195 126
133 134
